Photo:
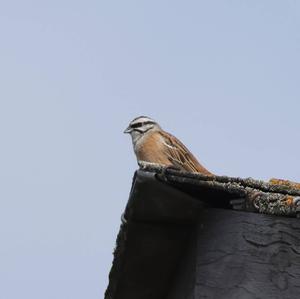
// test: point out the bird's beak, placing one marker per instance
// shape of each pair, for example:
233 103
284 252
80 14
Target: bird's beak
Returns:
127 131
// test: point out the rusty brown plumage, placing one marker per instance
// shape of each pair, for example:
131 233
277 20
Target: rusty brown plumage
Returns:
163 148
180 156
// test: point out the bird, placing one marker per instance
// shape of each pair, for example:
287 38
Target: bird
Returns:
153 145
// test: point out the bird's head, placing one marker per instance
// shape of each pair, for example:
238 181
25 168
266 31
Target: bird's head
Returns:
140 126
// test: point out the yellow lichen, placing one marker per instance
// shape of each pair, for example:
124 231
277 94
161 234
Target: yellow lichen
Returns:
287 183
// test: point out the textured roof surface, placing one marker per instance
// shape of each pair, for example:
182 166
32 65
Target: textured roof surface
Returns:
276 197
163 210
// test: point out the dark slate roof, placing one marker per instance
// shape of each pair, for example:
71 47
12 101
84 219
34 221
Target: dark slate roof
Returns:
161 213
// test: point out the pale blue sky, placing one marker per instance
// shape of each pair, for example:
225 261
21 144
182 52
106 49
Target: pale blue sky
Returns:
223 76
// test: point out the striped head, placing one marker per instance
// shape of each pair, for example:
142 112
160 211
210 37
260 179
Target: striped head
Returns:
140 126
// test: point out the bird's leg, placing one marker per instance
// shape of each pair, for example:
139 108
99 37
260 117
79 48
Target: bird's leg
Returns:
144 165
161 170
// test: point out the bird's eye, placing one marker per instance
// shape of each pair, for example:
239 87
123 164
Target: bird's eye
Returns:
136 125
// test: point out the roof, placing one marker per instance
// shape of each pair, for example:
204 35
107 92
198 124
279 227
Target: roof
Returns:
163 207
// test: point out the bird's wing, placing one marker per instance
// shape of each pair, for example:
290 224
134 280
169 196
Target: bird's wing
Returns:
180 156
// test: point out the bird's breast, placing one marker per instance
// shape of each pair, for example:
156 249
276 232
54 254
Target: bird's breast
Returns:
150 148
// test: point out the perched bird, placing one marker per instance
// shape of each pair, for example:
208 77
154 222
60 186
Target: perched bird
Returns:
152 144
